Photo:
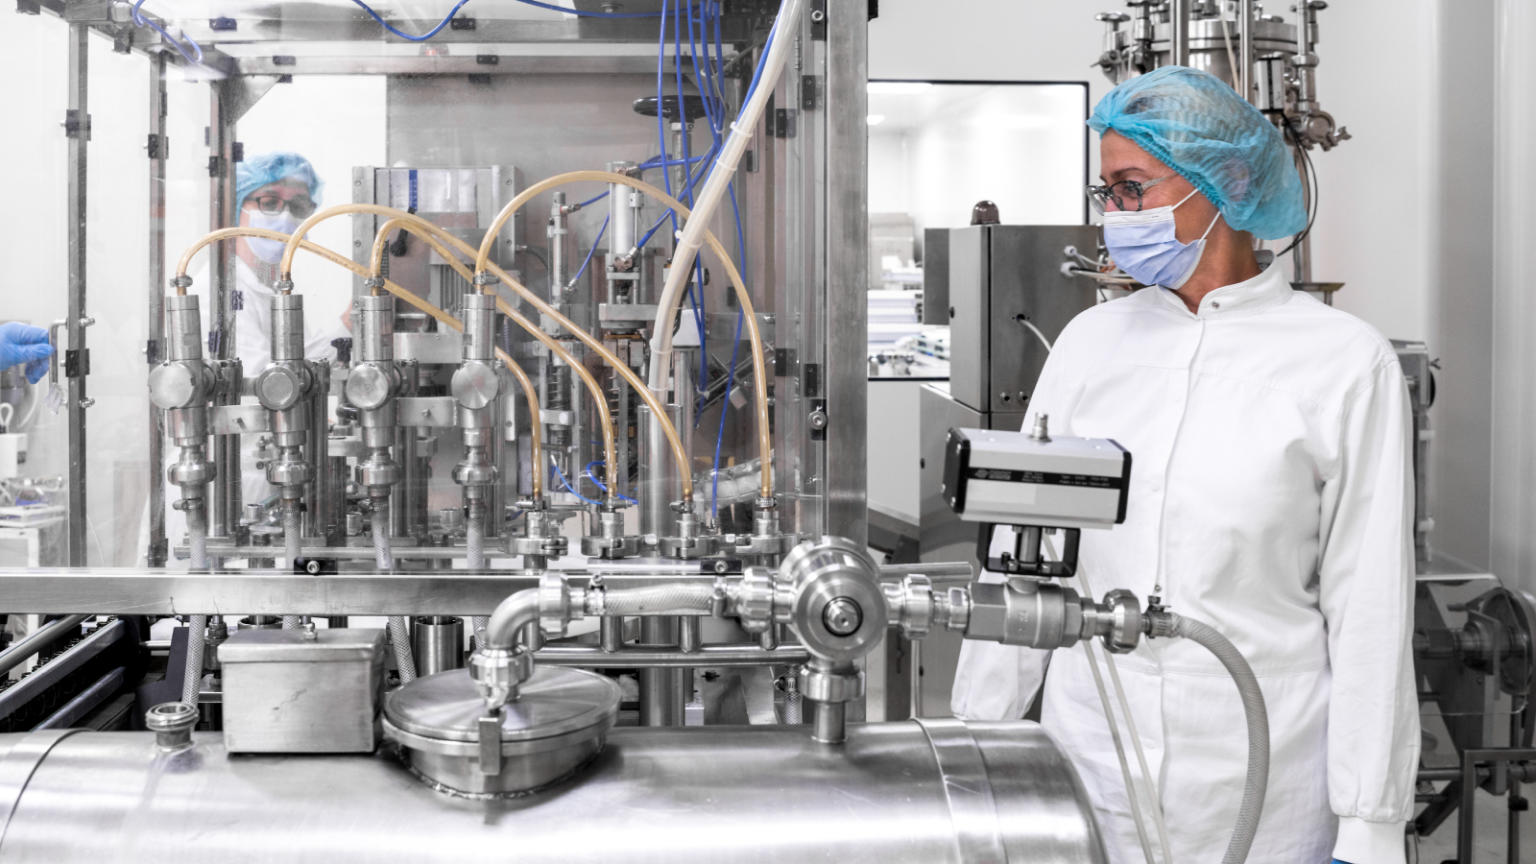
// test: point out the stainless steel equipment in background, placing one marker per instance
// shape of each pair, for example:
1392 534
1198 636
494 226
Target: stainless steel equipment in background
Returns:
1007 295
1269 61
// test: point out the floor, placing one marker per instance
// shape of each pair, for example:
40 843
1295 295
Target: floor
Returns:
1490 822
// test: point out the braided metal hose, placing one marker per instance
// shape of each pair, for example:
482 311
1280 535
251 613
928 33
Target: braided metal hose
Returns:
794 703
192 676
680 599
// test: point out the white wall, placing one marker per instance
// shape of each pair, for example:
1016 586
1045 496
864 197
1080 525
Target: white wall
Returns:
336 122
989 40
1020 147
1513 443
889 189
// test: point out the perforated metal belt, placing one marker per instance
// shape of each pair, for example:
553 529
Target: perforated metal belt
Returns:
968 790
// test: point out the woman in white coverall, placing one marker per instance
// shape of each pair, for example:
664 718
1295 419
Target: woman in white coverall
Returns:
1270 496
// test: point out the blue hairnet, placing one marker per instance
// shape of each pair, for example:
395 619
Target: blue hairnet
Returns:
1198 126
268 168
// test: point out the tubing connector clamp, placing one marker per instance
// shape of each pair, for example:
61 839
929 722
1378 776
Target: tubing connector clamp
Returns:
498 672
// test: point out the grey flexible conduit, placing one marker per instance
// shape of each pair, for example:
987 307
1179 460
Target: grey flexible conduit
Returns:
474 543
1258 730
399 632
197 626
292 535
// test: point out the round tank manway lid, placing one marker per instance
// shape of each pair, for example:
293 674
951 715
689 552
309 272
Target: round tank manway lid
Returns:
555 701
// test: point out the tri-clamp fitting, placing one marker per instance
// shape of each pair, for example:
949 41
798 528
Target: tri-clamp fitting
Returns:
766 539
828 591
610 541
541 538
691 540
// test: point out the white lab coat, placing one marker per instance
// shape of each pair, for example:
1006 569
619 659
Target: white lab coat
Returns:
1270 497
253 345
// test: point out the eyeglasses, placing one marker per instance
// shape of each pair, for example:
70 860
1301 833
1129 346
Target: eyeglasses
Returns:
301 207
1120 193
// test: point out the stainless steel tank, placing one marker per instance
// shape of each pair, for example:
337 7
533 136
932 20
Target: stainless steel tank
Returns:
918 791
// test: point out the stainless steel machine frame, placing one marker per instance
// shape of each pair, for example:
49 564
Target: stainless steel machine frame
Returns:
824 220
806 180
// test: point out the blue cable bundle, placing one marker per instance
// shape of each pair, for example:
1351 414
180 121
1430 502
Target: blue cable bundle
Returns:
566 483
599 484
179 44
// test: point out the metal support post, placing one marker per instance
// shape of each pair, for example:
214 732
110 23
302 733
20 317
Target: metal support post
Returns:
79 137
1507 760
661 690
1245 49
847 278
1178 32
156 348
224 507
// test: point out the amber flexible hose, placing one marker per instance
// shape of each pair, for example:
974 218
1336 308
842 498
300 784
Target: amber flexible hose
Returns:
599 398
285 269
530 393
760 383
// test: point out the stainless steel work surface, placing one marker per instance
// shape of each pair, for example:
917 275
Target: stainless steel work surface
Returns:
897 793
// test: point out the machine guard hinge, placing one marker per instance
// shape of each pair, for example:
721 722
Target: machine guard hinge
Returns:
216 164
818 15
77 362
462 23
784 123
77 122
159 146
152 352
810 93
782 358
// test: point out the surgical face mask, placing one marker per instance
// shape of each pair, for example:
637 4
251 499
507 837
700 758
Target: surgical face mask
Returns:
270 251
1144 243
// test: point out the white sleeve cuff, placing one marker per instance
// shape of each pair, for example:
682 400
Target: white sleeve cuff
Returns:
1362 842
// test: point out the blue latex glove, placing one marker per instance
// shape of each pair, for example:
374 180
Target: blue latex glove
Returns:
23 343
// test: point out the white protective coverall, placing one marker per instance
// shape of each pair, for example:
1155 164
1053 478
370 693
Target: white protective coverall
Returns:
1271 498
